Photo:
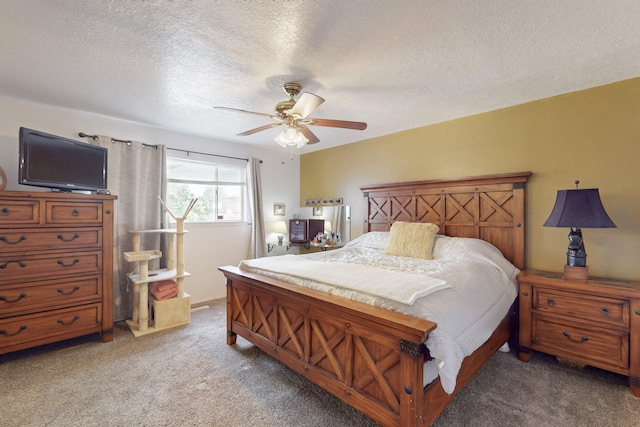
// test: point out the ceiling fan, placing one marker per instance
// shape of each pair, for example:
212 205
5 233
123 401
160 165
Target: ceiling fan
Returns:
294 116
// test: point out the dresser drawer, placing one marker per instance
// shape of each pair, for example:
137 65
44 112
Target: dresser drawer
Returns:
46 295
15 240
586 307
19 212
24 268
36 329
604 348
73 213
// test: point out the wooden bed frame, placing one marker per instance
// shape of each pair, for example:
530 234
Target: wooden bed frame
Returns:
369 357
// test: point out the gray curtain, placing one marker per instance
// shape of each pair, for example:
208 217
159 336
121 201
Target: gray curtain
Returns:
137 175
258 239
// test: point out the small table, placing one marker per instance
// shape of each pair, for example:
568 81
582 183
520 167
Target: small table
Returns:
327 246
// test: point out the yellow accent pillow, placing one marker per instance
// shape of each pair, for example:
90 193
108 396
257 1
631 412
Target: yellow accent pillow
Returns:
412 239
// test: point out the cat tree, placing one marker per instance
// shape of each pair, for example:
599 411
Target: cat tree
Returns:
165 313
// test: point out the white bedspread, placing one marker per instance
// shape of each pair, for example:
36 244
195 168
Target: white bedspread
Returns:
480 288
397 286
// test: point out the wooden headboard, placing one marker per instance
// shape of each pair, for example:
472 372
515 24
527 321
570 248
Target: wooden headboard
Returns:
489 207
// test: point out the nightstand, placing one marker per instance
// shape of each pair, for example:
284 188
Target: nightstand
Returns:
592 322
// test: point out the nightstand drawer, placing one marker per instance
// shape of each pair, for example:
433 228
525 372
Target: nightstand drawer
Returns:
604 348
590 308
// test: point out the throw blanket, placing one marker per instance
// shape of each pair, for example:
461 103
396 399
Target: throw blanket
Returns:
401 287
163 289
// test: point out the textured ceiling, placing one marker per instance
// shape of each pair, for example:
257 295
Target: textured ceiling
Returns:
395 65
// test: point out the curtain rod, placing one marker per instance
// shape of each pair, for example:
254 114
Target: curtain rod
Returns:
128 142
208 154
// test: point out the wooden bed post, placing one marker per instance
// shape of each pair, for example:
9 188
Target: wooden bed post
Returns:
412 397
231 336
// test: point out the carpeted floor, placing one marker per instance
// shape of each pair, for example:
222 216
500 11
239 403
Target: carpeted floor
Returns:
189 377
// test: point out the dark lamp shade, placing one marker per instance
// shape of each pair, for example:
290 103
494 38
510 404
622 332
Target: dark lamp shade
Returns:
580 208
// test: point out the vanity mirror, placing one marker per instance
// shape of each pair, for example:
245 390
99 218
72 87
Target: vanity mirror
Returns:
338 220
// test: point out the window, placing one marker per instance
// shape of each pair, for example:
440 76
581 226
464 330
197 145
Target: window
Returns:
221 190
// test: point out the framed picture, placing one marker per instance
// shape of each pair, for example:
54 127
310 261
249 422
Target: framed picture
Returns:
317 211
279 209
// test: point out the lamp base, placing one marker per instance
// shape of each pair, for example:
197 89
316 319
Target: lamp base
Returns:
575 273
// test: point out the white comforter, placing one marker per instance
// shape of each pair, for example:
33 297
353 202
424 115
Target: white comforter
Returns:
480 288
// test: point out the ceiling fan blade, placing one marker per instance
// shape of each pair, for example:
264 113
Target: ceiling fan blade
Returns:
306 105
336 123
308 134
271 116
260 129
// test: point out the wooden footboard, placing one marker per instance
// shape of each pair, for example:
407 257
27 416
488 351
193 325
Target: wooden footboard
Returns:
369 357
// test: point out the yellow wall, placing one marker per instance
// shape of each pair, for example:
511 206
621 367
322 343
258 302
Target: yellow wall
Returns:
592 136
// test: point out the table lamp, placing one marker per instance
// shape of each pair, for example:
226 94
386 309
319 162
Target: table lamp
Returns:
281 229
577 209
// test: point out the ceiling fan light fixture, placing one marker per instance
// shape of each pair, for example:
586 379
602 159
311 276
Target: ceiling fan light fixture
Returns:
294 115
290 137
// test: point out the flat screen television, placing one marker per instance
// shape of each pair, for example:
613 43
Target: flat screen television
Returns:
61 164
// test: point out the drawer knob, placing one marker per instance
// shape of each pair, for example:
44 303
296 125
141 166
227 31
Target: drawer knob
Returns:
75 212
71 239
604 311
61 291
5 299
20 263
62 322
61 262
20 239
580 341
4 331
550 302
4 212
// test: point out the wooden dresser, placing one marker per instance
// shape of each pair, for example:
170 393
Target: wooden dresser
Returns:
592 322
56 267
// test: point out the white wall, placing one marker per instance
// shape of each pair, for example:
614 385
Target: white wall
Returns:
207 246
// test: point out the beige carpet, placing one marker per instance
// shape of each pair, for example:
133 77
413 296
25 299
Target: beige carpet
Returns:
190 377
